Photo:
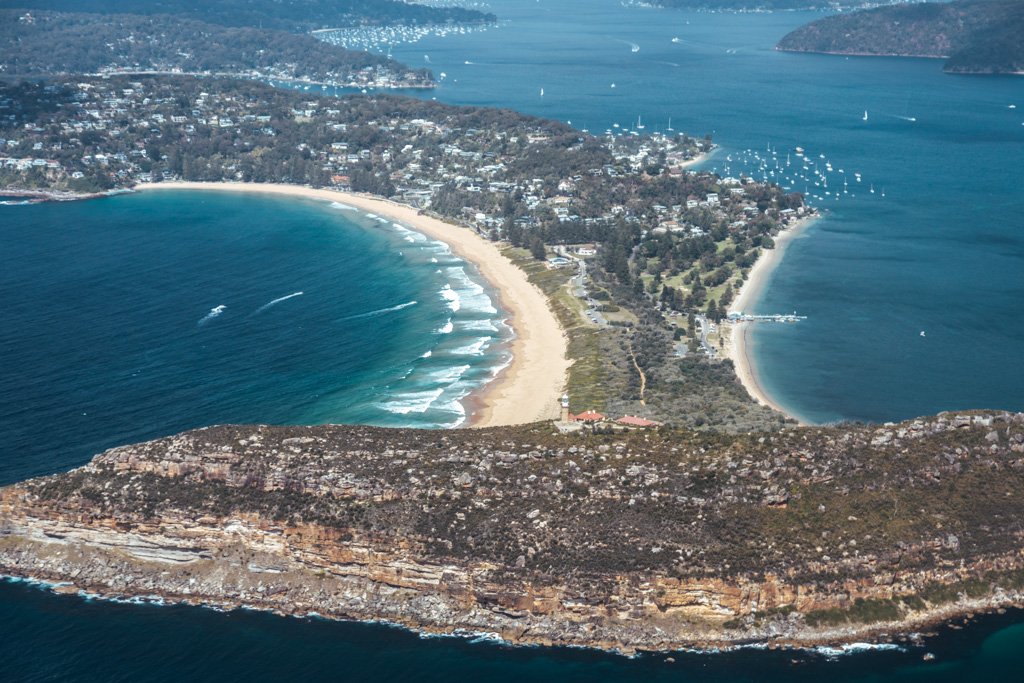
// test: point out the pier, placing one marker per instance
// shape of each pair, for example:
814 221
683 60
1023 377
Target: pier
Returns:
741 317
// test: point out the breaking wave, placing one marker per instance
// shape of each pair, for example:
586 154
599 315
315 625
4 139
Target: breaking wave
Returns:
214 312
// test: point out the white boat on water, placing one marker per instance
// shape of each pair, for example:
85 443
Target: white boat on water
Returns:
865 114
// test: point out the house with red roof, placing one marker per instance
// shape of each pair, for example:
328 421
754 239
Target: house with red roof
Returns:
588 416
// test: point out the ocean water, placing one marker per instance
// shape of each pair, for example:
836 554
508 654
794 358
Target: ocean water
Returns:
51 637
117 285
143 315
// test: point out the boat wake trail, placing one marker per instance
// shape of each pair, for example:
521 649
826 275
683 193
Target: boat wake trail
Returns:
632 46
381 311
276 301
214 312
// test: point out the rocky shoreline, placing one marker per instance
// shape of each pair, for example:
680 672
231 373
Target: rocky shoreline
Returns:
546 539
35 196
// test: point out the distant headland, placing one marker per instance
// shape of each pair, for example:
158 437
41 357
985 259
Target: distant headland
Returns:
973 36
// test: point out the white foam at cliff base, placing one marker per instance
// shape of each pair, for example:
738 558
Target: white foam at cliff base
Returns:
854 648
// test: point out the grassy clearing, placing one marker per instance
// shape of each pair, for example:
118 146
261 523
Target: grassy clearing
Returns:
587 374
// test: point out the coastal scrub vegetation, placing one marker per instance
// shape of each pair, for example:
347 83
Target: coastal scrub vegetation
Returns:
974 36
826 527
52 43
295 15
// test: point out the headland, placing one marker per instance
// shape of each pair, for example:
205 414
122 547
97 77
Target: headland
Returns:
526 390
646 540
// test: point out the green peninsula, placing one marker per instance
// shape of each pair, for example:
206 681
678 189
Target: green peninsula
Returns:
973 36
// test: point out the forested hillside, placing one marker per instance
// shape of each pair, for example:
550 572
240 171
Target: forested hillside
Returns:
976 36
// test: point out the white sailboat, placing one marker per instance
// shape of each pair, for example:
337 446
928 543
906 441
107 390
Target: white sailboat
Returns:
639 126
670 128
865 114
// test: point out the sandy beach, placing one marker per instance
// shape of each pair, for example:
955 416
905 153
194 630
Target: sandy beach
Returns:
737 343
529 388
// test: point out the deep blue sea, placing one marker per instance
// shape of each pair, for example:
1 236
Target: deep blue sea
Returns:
107 335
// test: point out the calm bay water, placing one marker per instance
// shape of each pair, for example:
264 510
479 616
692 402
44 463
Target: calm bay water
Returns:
102 341
942 252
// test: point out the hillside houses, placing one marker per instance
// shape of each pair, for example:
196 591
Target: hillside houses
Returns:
486 168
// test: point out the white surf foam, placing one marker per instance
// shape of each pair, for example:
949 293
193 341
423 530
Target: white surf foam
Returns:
474 349
478 325
453 298
446 328
410 235
447 376
473 296
343 207
214 312
277 301
413 402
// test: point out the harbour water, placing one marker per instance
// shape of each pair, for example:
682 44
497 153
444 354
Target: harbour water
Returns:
119 287
941 252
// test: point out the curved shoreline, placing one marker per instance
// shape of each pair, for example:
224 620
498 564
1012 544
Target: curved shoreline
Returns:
528 388
737 348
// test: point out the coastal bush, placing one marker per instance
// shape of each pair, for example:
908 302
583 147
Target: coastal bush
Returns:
863 611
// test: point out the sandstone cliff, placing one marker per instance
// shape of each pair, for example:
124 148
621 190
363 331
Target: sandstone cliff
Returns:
644 540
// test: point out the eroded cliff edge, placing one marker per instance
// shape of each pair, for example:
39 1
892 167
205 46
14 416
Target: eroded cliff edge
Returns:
643 540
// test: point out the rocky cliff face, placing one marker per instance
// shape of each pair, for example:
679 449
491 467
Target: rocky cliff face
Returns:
646 540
